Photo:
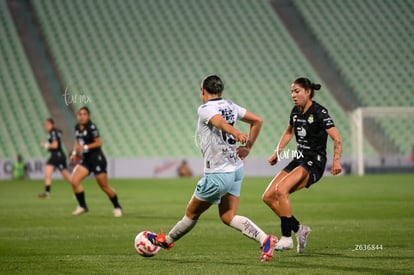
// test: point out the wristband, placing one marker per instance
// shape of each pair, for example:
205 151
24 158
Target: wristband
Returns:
46 145
85 147
73 153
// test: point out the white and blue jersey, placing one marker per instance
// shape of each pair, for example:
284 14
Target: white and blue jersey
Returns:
219 148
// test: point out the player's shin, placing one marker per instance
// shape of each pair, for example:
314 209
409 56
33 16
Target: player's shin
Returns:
180 229
114 201
248 228
80 197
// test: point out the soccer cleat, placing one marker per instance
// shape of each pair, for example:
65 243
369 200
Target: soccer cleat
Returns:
79 211
44 195
267 248
302 237
285 243
117 212
159 240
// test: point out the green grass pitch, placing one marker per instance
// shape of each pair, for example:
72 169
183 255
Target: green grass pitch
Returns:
345 213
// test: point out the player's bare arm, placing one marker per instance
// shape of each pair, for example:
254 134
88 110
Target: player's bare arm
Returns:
256 123
284 140
220 123
96 143
53 145
337 140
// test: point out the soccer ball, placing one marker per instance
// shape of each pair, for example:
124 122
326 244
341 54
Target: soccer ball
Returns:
143 246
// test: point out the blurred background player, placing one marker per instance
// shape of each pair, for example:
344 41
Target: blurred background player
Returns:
311 124
88 143
184 170
19 169
57 156
223 168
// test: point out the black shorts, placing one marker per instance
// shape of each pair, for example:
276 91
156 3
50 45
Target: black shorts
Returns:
94 162
58 160
314 165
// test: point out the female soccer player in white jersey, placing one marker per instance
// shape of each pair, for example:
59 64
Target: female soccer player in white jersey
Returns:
223 168
311 124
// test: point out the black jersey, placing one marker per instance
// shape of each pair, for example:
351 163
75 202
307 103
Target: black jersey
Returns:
87 136
55 135
310 129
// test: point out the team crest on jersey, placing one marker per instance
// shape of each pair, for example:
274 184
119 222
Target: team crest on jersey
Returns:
310 119
294 118
85 133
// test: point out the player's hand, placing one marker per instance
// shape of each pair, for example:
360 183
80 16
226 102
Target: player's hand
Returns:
273 159
72 157
243 152
336 168
242 138
75 159
78 148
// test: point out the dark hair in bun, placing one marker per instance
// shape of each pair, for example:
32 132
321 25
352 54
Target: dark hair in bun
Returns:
213 84
306 84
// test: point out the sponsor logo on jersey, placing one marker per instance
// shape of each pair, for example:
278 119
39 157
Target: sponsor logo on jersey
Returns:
301 131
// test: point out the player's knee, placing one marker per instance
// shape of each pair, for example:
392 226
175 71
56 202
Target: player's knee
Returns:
281 193
268 198
75 181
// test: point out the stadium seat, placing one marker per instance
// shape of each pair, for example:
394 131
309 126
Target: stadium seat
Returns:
371 43
22 108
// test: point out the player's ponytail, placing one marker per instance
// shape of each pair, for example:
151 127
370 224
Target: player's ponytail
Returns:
316 86
306 84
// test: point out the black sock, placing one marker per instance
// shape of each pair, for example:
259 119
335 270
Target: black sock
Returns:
294 224
47 188
81 199
285 224
115 202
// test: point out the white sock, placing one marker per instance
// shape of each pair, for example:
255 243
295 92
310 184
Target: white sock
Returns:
248 228
180 229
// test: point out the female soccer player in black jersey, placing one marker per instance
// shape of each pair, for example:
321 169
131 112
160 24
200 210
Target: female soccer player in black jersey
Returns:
311 124
57 156
88 144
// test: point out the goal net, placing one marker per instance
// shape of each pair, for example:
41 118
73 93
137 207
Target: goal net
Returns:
382 139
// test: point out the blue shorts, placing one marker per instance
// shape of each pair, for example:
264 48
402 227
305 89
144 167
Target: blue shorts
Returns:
213 186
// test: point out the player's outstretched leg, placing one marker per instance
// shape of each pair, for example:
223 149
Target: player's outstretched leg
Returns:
194 210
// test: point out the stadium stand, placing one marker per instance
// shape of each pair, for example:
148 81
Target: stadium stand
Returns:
371 42
141 62
22 108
